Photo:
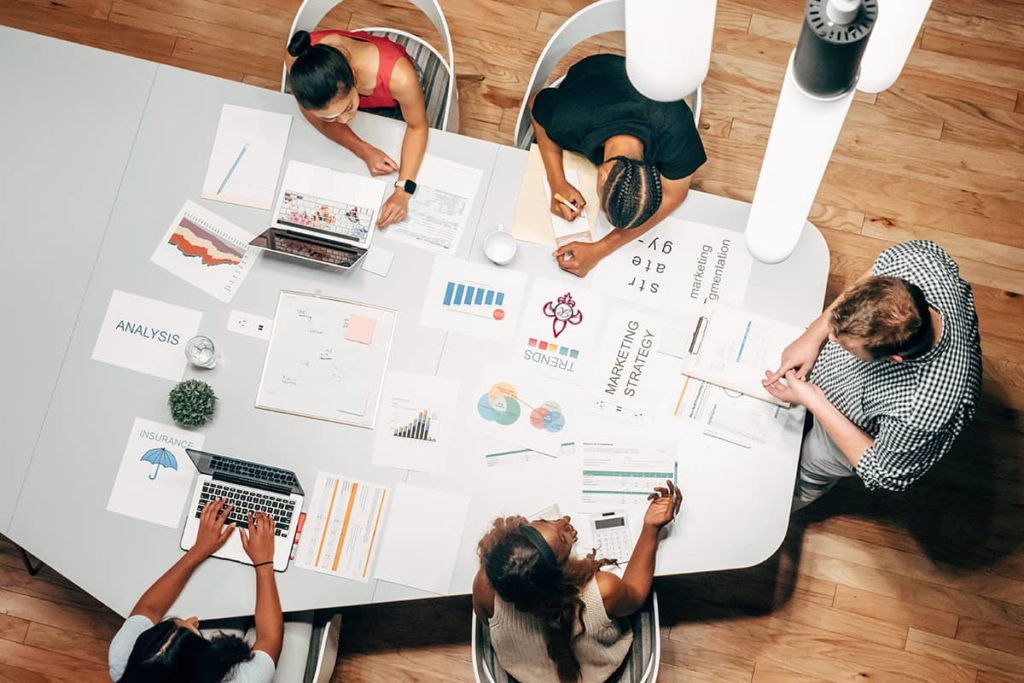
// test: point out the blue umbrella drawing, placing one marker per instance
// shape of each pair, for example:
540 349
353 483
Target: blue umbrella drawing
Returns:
161 457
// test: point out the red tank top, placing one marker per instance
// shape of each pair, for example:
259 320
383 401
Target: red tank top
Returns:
389 52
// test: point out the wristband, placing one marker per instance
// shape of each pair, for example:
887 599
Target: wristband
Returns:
262 563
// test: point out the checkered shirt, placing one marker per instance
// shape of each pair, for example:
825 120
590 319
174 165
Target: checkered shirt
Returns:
914 409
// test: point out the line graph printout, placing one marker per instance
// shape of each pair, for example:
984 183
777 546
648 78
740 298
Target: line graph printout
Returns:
417 422
207 251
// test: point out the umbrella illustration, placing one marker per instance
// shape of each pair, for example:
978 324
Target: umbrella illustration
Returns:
161 457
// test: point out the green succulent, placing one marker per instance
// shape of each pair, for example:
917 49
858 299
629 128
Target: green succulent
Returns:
192 402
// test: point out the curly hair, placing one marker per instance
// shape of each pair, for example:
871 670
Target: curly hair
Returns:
168 652
518 574
632 192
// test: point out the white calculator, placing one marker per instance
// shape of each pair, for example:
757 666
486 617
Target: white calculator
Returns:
611 535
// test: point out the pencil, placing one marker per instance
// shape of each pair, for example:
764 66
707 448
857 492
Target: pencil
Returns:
565 201
231 170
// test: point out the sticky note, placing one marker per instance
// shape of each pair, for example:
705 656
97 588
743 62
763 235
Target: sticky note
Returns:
360 329
353 400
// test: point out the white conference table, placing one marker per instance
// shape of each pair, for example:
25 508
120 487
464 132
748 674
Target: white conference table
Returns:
69 434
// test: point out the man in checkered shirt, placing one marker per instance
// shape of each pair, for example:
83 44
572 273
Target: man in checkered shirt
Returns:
896 373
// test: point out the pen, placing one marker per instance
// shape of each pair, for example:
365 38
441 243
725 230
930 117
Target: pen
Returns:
298 535
232 169
563 200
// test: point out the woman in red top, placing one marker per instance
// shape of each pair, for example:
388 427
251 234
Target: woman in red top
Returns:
334 73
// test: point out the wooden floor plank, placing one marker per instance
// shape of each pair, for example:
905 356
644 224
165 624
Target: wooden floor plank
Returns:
964 653
894 611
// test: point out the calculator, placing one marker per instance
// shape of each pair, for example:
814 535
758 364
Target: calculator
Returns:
611 535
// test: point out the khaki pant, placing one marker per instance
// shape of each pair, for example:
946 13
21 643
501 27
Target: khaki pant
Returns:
822 464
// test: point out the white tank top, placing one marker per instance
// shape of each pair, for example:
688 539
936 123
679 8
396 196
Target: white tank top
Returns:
518 640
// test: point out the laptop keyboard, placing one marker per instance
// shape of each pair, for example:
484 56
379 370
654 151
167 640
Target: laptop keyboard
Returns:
246 501
250 470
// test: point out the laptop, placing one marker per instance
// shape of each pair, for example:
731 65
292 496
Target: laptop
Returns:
323 215
252 487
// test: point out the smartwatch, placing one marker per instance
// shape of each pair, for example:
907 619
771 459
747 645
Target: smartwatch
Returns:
407 185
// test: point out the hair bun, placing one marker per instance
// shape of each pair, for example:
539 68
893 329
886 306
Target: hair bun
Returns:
299 43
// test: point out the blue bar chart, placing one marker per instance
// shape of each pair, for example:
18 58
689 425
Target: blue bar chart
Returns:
472 298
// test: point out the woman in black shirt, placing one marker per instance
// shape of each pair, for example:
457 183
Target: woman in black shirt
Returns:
646 152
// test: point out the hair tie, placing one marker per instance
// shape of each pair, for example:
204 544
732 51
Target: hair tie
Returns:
536 539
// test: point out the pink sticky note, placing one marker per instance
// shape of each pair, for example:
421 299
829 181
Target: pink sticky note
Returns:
360 329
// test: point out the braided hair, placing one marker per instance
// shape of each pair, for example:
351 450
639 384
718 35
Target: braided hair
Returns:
318 74
632 192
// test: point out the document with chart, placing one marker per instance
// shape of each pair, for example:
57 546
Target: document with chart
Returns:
732 416
207 251
439 210
474 299
417 422
245 162
314 198
732 348
343 527
618 472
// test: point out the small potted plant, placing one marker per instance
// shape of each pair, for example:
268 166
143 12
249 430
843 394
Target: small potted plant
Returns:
192 403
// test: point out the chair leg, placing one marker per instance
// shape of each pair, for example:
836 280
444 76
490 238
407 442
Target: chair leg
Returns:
32 569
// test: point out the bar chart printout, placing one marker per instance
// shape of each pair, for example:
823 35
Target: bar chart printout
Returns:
419 428
418 420
474 299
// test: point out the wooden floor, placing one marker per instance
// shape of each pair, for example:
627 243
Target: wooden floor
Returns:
926 587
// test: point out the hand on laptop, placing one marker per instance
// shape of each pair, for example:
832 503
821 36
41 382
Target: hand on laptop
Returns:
213 528
258 541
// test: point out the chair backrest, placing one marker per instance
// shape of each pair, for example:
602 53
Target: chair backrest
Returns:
312 12
602 16
641 666
431 69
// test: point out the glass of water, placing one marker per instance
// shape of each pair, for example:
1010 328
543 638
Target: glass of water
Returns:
200 352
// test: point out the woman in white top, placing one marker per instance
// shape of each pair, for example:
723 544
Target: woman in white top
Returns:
151 649
555 617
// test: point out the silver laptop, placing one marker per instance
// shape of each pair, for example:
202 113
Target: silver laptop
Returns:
251 487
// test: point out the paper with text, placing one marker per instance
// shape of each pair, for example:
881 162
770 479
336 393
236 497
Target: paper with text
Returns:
624 472
343 527
417 424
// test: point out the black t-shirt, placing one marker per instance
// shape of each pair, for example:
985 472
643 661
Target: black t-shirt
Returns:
596 101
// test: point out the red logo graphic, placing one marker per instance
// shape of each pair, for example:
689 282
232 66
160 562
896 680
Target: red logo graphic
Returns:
562 312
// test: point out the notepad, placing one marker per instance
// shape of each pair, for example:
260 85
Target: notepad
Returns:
360 329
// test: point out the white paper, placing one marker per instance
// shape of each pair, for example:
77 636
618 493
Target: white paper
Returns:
417 422
207 251
677 266
439 209
155 476
422 537
146 335
577 230
521 408
343 527
378 261
624 472
248 178
736 347
624 376
560 328
474 299
314 198
312 370
731 416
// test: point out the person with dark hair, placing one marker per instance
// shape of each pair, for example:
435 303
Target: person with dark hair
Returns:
556 617
151 649
333 74
646 153
890 373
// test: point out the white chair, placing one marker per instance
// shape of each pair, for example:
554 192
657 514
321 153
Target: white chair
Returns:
440 93
602 16
642 664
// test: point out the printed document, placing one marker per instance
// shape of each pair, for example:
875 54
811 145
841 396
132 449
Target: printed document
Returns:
246 159
439 210
730 415
343 526
625 472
